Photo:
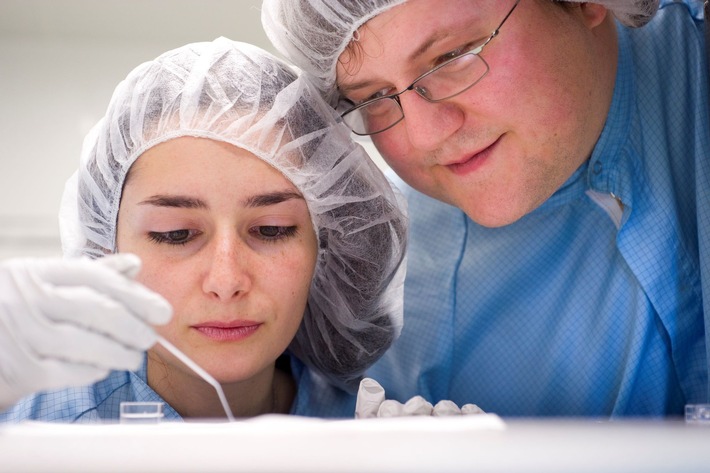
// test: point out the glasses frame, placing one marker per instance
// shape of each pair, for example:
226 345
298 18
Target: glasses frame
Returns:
413 86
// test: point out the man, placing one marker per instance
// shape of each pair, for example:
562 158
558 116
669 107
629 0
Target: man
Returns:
555 156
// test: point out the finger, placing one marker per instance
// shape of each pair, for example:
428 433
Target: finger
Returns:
417 406
141 301
468 409
446 408
126 264
369 397
40 360
84 307
390 408
73 345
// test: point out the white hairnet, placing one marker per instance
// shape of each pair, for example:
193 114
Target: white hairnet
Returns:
633 13
313 33
238 94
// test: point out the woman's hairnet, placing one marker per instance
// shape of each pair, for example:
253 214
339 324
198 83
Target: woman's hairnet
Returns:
313 33
238 94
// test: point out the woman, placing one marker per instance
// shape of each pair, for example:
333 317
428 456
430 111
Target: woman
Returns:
276 240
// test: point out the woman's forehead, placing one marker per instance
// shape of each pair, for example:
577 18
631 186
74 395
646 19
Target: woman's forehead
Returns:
190 161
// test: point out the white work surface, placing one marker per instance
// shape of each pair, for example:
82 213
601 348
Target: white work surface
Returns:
414 444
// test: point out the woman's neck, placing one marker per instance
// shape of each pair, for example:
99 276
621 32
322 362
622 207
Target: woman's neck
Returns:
271 391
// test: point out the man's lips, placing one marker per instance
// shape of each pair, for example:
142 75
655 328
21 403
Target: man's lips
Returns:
227 331
473 161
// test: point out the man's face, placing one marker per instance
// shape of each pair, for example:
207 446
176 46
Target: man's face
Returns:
501 148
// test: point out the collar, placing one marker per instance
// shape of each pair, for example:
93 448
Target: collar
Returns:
613 162
142 392
612 165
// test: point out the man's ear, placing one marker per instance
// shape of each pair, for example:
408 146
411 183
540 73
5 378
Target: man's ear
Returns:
593 14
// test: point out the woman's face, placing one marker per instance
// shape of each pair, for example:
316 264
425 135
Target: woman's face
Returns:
228 240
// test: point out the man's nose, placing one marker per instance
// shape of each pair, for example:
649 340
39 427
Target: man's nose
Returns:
429 124
229 274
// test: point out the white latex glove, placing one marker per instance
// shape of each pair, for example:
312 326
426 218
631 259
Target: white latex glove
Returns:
69 322
371 402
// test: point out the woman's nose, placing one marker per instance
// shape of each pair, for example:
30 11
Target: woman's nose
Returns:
228 274
429 124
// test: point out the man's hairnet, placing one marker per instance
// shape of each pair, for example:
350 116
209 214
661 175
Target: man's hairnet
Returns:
313 33
238 94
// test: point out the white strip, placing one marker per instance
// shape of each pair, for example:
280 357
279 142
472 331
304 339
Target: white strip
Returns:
609 204
203 374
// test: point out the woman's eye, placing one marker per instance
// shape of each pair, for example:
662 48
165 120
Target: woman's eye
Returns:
273 232
173 237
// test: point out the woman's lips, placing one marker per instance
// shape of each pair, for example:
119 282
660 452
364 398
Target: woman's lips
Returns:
473 162
227 331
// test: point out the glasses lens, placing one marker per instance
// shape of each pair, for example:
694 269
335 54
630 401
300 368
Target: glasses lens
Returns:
448 80
374 117
452 78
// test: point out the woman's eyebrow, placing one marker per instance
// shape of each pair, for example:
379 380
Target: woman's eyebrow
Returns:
271 198
178 201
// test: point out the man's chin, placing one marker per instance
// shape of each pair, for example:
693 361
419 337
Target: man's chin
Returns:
493 216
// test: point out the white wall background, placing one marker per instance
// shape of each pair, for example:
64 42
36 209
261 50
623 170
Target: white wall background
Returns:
59 63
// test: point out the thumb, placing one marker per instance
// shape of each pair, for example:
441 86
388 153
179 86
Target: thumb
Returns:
369 397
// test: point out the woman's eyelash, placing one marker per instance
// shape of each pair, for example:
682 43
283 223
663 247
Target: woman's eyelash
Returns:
268 233
274 232
173 237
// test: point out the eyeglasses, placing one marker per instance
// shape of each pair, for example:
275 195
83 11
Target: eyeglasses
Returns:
444 81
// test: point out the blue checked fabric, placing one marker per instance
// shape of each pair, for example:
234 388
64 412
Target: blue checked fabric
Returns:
101 401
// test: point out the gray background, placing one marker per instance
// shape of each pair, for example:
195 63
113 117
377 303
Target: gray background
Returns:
59 63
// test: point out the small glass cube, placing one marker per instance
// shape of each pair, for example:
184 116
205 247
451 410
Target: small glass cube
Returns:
697 414
141 412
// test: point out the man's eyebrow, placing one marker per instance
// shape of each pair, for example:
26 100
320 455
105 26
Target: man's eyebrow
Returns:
345 89
431 40
177 201
423 48
271 198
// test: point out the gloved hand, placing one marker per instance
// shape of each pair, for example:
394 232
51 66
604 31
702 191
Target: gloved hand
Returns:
371 403
69 322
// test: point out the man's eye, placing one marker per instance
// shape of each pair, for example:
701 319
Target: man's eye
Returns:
346 103
449 56
273 232
173 237
379 94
